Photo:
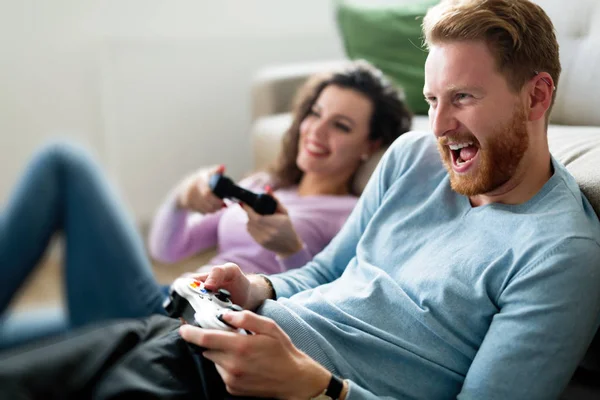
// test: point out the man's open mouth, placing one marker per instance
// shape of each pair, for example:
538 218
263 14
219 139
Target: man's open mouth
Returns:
463 155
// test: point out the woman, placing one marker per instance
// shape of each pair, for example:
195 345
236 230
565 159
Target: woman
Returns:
334 130
340 120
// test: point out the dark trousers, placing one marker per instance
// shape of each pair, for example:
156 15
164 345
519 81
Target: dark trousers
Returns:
141 359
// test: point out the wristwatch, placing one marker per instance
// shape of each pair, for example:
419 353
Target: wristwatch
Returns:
333 391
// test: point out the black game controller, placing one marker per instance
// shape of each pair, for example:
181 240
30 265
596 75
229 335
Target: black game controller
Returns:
224 187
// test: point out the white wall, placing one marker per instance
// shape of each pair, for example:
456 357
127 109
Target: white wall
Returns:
156 88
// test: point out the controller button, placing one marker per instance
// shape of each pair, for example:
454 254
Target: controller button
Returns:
220 318
235 307
195 284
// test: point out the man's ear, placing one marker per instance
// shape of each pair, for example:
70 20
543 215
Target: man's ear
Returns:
540 95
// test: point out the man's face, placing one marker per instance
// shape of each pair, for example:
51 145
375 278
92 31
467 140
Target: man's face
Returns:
480 124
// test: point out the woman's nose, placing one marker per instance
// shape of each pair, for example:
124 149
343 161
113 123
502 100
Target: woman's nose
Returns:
319 129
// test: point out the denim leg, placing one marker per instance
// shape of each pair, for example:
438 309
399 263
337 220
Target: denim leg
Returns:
20 328
107 271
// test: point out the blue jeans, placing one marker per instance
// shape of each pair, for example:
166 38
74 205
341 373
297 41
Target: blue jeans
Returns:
107 273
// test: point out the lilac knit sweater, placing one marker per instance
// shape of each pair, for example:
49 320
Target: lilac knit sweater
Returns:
177 234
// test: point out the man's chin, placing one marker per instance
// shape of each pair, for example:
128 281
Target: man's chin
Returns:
470 184
464 188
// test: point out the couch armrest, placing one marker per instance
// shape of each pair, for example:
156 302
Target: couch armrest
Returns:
267 133
274 87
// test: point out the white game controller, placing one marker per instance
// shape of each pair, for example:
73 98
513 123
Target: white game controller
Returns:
188 299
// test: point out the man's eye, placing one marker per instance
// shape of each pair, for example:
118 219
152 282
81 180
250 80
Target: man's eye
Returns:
462 96
431 100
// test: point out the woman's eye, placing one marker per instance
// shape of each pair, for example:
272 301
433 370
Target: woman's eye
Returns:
343 127
313 113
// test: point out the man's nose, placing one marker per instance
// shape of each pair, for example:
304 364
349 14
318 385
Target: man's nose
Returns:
442 119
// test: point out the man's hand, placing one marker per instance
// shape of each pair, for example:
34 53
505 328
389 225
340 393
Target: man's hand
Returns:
265 364
248 292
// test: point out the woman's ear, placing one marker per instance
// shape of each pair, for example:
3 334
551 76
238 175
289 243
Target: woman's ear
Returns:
374 145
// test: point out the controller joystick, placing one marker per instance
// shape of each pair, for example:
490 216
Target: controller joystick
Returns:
223 295
224 187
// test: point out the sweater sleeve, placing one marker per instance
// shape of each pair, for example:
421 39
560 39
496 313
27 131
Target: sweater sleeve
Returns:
177 234
296 260
547 319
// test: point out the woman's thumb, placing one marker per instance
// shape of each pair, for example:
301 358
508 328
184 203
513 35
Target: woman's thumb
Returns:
280 208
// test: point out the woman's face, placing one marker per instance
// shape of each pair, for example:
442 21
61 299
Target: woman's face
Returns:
334 134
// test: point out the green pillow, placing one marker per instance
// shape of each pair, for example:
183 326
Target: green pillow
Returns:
389 37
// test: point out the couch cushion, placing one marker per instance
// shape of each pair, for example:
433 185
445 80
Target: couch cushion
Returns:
577 25
388 36
578 148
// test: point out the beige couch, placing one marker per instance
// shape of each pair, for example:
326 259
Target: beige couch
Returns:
573 134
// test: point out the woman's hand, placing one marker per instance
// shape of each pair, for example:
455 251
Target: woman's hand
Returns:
265 364
194 192
274 232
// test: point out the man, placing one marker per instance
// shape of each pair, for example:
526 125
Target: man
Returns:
475 276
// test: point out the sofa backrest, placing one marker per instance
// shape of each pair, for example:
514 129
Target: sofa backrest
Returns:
578 148
577 25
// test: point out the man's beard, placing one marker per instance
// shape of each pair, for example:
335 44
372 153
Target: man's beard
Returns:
497 163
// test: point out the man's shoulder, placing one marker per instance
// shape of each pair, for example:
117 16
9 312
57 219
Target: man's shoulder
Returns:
415 151
568 209
413 140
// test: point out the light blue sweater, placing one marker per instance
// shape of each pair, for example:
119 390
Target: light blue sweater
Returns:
422 296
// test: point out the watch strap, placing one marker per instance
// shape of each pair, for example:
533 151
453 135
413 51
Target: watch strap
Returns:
334 390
